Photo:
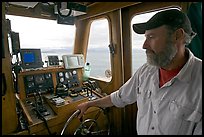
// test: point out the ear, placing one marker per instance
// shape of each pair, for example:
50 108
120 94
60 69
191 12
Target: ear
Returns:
179 34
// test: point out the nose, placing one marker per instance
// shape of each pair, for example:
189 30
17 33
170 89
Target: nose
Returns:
145 44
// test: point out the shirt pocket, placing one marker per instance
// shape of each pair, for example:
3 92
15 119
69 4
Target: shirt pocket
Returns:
194 117
183 118
185 113
143 99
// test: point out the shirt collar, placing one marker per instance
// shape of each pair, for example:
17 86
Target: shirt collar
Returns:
185 72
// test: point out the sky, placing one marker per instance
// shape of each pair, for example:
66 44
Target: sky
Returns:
47 33
42 33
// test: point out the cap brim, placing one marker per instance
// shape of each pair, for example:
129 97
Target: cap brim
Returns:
139 28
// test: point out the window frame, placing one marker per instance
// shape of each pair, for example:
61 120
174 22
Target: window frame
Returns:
86 53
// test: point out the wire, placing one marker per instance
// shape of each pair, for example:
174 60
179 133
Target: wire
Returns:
43 119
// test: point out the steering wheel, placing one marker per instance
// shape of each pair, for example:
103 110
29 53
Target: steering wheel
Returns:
90 126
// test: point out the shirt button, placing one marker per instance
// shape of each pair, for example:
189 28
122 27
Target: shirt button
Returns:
152 128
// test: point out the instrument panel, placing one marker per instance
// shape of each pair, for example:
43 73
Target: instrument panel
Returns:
48 81
68 78
48 93
38 83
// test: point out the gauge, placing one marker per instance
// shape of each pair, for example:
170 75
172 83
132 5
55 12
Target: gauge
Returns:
47 75
74 72
29 78
61 79
61 74
30 84
66 75
39 79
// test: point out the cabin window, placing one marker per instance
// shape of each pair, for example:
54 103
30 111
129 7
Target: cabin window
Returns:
98 54
138 53
50 37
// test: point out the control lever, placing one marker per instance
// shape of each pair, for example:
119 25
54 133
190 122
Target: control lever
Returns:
41 109
89 85
86 90
91 97
36 102
92 84
39 104
41 99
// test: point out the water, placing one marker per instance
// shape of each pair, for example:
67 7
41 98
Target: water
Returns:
99 59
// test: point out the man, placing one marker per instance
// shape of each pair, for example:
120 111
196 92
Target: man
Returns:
167 88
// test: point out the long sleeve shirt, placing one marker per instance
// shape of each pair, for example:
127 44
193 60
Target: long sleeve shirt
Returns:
173 109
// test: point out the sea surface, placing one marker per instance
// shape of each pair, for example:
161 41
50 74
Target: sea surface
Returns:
98 58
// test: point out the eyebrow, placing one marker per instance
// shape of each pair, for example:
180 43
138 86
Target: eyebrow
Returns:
151 33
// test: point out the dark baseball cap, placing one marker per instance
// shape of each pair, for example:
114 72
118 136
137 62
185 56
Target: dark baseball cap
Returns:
172 17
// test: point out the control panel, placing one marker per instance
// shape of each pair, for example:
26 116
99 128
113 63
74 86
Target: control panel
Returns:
51 92
38 109
38 83
68 78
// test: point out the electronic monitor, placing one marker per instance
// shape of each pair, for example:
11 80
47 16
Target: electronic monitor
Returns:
31 58
73 61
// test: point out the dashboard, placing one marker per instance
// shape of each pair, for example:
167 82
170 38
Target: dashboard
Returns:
38 83
46 94
44 82
48 81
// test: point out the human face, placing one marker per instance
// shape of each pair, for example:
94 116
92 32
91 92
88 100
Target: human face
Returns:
160 48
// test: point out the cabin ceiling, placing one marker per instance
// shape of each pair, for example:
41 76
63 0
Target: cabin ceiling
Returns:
33 4
35 9
46 10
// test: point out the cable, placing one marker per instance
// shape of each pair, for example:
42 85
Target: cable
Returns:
44 120
39 114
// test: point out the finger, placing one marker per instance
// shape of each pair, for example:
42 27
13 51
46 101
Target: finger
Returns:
80 116
81 119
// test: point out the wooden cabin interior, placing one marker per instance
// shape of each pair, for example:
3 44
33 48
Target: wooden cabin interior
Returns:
35 100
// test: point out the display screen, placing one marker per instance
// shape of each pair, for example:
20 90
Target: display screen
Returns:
73 61
29 57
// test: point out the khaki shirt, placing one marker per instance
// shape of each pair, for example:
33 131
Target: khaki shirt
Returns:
173 109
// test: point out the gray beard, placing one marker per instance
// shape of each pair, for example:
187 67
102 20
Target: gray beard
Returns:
163 58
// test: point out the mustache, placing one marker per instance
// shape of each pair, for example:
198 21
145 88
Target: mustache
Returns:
149 51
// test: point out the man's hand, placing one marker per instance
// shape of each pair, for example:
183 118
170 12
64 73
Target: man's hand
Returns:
82 107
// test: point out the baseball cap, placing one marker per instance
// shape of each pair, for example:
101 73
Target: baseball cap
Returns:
172 17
